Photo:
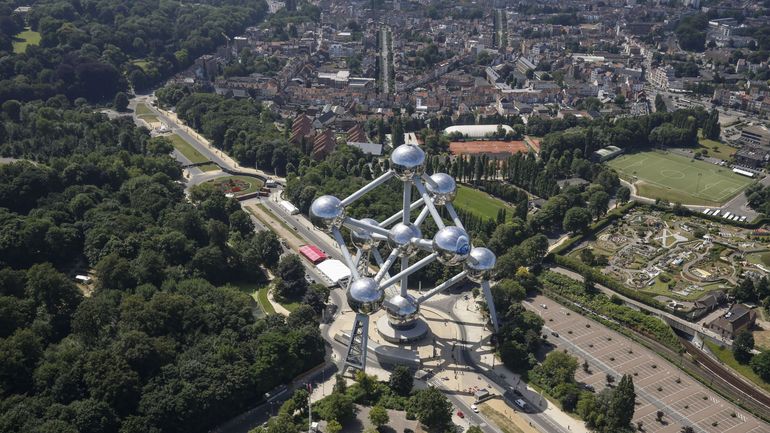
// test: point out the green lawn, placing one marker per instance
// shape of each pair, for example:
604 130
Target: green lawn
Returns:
24 39
726 356
254 184
762 258
253 290
716 149
676 178
141 63
143 112
661 288
263 302
480 203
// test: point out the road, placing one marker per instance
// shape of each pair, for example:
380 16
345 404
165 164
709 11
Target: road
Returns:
693 327
508 393
384 54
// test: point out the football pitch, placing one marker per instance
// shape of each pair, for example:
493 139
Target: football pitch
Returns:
676 178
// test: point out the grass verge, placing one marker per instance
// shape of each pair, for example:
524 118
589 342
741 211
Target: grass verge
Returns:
501 421
275 218
186 149
725 355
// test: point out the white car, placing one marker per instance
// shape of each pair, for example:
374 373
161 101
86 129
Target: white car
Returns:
475 408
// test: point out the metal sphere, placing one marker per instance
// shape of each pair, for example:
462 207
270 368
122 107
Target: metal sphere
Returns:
480 263
442 187
364 296
452 244
402 311
327 212
401 236
407 161
362 238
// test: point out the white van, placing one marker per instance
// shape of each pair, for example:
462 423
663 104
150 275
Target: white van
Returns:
521 403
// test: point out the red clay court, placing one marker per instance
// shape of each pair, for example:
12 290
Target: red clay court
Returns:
491 148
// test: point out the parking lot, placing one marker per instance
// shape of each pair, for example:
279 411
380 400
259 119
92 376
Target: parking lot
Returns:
660 386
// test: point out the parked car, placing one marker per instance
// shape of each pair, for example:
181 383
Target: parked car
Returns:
460 414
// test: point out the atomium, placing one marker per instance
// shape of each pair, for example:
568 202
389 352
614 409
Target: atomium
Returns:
327 212
442 187
403 237
451 246
407 161
365 296
362 238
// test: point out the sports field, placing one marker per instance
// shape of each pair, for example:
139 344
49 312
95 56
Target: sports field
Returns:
676 178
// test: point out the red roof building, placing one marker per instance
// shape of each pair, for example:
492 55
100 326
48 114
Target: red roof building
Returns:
313 253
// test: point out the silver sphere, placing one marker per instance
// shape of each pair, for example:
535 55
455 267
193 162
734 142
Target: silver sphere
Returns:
480 264
407 161
327 212
442 187
452 244
401 237
402 311
362 238
364 296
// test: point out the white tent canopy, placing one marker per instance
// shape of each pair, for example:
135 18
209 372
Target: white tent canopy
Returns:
334 270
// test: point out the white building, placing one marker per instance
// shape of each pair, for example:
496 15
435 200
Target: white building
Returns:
476 131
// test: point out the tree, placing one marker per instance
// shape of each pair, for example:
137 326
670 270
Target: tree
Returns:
711 128
557 368
431 408
401 380
378 415
622 403
623 195
121 101
336 406
659 415
742 347
291 271
333 426
687 429
587 256
598 203
761 365
474 429
576 220
340 384
660 104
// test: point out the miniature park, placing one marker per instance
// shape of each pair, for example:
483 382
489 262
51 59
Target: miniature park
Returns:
679 260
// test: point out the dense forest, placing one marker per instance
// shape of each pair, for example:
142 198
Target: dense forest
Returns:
95 49
160 341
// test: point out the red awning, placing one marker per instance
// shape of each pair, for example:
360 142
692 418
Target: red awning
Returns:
312 253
